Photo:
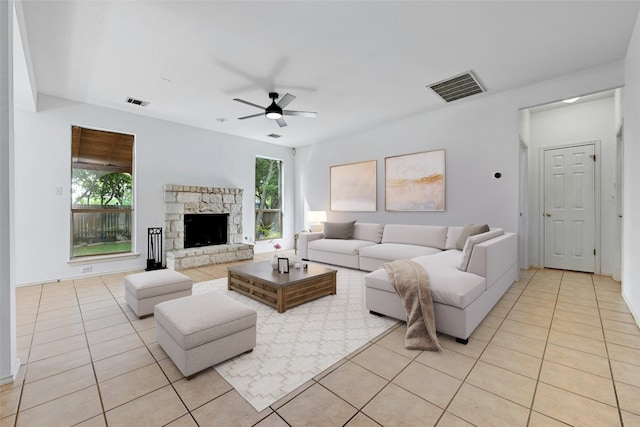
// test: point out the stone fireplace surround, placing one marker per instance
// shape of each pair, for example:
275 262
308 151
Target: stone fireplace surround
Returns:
182 199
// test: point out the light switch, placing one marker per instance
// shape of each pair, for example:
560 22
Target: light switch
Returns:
58 191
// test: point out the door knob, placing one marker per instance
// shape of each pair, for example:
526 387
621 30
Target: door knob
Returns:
619 215
548 215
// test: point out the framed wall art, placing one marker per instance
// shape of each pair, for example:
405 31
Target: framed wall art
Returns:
353 187
415 182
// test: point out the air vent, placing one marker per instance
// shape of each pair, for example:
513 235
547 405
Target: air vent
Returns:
457 87
274 135
139 102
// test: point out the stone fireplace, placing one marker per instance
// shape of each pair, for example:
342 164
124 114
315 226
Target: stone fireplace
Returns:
180 200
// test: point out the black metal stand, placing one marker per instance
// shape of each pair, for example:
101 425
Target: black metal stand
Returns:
154 248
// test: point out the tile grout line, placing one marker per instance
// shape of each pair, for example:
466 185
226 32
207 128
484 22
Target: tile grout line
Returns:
462 381
556 309
93 367
530 408
544 352
155 361
26 365
606 347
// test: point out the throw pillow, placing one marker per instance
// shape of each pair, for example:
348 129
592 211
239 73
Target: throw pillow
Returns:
338 230
474 240
367 231
470 230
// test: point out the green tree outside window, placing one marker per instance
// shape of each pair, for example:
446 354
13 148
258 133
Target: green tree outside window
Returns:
268 198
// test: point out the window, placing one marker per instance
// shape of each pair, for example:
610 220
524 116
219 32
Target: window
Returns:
268 198
101 192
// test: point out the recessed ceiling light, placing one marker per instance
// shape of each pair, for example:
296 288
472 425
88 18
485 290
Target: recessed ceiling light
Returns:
570 100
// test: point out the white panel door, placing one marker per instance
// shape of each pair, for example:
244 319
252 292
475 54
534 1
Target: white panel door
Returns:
569 198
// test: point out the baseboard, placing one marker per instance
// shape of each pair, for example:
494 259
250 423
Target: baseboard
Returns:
634 313
84 276
14 374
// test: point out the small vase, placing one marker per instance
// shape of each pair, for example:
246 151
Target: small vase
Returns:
274 262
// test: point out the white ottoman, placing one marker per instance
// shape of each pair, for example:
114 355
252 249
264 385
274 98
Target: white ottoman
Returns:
142 291
203 330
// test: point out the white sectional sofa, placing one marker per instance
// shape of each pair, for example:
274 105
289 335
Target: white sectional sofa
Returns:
344 252
465 283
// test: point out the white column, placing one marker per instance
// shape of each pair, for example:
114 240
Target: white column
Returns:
9 363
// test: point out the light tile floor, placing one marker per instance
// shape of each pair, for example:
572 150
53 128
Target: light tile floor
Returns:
559 348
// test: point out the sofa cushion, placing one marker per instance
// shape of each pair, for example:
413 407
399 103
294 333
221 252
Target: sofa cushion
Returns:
394 251
449 285
367 231
350 246
338 230
453 233
474 240
423 235
470 230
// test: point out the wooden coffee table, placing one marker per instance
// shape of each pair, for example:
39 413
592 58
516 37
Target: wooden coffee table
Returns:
281 291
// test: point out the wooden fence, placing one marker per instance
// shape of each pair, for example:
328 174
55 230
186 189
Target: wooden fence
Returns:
101 225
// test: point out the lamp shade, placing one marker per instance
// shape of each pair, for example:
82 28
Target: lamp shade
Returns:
315 220
316 216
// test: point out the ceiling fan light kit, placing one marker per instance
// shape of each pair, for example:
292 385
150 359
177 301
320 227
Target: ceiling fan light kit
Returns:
275 111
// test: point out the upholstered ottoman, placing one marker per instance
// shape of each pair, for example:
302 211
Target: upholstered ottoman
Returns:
203 330
142 291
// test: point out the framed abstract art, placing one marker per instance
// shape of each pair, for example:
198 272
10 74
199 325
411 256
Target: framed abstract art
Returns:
353 187
415 182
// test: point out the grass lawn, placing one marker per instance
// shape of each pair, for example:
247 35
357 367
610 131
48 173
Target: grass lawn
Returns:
104 248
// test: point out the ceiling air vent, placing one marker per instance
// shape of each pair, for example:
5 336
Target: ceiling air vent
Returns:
274 135
457 87
139 102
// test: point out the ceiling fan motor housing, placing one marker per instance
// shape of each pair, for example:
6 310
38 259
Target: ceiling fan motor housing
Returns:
273 111
276 111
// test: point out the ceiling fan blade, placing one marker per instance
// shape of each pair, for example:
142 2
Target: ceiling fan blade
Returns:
281 122
286 100
249 103
309 114
253 115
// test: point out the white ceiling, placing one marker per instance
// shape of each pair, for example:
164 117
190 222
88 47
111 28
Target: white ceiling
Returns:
358 64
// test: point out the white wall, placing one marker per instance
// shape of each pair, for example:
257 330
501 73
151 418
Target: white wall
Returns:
481 137
573 124
631 213
472 193
165 153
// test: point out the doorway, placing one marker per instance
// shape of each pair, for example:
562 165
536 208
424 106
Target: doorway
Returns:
569 201
617 248
523 224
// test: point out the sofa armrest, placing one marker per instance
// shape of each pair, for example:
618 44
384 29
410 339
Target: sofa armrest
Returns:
491 259
303 241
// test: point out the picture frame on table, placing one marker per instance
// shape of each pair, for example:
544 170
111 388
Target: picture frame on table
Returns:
283 265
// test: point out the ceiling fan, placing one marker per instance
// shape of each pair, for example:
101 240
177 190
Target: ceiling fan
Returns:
275 111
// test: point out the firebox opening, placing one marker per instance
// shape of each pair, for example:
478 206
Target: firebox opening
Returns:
205 230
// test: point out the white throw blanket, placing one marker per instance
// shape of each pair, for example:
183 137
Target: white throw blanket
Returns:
411 283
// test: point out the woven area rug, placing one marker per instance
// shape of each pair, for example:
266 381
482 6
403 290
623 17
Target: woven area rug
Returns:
296 345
